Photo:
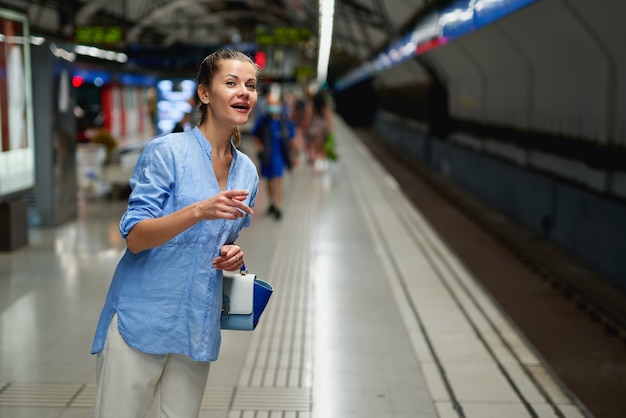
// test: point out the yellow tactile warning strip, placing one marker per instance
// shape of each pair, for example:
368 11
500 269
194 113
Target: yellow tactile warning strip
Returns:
277 373
217 397
272 399
84 398
40 394
73 395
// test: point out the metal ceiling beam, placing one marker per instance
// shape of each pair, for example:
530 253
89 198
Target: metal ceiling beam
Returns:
352 38
351 9
218 19
267 12
384 15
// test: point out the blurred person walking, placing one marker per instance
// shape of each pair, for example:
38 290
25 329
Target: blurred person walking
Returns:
318 125
296 105
273 135
184 124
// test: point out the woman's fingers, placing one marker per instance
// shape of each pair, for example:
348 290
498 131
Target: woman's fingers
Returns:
236 200
230 259
227 205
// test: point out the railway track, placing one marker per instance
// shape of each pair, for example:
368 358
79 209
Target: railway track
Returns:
575 320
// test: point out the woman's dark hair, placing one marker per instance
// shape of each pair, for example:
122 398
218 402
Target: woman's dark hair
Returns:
210 67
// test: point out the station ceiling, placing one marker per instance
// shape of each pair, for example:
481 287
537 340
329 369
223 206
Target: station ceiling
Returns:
361 27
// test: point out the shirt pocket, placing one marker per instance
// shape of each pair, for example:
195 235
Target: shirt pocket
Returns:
232 228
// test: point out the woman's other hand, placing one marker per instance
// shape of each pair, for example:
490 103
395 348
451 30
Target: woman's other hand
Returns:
230 258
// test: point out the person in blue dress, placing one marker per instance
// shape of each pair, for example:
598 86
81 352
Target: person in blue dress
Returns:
192 193
273 135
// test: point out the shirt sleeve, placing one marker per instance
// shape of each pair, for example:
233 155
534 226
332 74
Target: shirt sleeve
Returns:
151 185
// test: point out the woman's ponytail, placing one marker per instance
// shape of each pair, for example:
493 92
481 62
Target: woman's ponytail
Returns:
237 134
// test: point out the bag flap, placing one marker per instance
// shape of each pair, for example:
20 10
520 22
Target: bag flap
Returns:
238 290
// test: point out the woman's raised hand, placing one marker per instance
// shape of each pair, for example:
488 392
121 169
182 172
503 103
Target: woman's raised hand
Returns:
225 205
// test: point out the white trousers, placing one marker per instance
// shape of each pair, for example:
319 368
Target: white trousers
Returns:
133 384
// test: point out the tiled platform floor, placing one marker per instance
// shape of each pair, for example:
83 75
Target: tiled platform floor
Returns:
372 317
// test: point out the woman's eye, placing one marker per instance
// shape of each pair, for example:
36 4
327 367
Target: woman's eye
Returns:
230 83
252 86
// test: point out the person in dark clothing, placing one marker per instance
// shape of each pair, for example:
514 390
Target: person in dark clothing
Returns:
273 135
183 124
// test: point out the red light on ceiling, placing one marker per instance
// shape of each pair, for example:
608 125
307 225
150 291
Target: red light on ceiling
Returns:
261 59
77 81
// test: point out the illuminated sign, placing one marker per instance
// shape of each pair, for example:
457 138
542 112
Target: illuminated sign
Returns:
305 71
284 35
174 100
96 35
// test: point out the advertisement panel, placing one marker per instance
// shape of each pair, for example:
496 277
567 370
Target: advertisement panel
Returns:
175 98
17 168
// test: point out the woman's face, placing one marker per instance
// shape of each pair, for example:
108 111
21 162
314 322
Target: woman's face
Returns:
232 94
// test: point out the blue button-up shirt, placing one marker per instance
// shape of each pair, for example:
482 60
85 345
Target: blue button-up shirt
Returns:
169 298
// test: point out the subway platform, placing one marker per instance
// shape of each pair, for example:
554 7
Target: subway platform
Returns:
372 315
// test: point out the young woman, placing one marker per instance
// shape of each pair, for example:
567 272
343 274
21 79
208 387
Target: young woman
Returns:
192 192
